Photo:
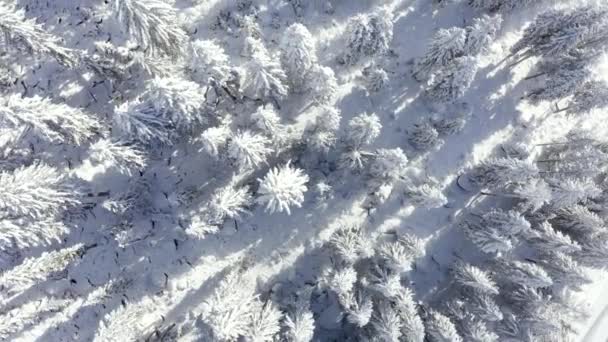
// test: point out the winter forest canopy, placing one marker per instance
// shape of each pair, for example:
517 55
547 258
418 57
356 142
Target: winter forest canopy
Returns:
291 170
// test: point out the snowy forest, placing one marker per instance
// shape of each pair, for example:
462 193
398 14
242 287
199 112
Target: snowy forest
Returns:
304 170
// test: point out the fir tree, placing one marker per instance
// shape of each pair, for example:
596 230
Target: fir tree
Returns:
358 307
363 129
546 238
265 323
559 32
265 79
568 192
176 100
125 157
481 34
375 78
230 202
498 172
477 331
388 165
368 36
208 63
230 309
37 269
427 195
445 46
469 276
424 136
36 191
525 273
591 95
413 327
350 244
248 150
299 326
21 233
322 84
48 121
282 188
454 80
21 33
386 322
153 25
139 121
299 55
440 328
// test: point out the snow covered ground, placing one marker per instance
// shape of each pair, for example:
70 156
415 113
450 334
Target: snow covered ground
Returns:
170 276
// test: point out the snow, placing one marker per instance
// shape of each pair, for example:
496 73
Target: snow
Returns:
182 273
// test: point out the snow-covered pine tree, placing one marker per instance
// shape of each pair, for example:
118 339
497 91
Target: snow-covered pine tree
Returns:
350 245
424 136
230 309
248 150
534 194
579 222
483 307
498 172
36 191
265 79
500 5
388 165
375 78
477 331
481 34
22 233
454 80
358 306
177 100
363 129
439 328
139 121
565 271
545 238
412 325
282 188
208 63
322 85
299 55
445 46
47 121
510 222
570 191
322 133
265 323
368 36
121 155
469 276
386 322
299 326
562 79
488 240
591 95
22 33
339 279
153 24
229 202
36 269
524 273
214 139
559 32
428 195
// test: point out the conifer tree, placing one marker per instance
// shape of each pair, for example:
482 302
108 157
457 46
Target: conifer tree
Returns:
48 121
591 95
322 84
481 34
388 165
424 136
358 307
139 121
36 191
208 63
368 36
454 80
427 195
469 276
265 323
153 25
282 188
363 129
265 78
445 46
299 55
524 273
498 172
375 78
440 328
21 33
299 326
386 322
125 157
248 150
